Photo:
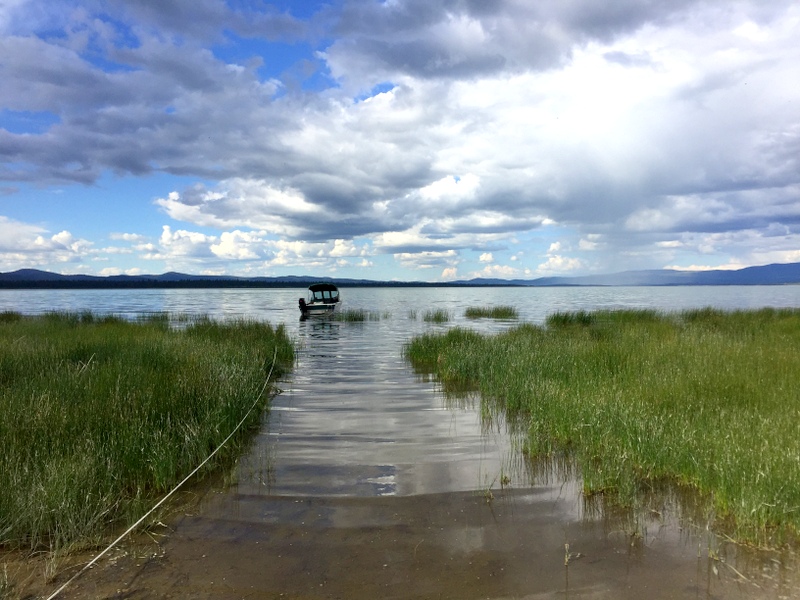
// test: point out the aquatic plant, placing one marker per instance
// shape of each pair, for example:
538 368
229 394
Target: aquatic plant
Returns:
359 315
99 414
704 399
491 312
438 315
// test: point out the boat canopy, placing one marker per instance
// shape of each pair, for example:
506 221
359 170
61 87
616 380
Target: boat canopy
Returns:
324 292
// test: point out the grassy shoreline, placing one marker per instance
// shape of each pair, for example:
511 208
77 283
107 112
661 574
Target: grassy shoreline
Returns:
705 399
99 415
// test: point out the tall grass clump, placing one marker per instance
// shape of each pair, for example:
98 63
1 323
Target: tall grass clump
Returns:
438 315
99 415
705 399
491 312
357 315
567 319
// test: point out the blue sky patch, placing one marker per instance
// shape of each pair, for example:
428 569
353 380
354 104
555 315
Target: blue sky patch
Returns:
23 121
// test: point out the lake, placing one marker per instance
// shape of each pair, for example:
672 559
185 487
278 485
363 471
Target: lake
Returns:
365 481
280 305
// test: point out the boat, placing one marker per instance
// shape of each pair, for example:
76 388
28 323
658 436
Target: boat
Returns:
322 299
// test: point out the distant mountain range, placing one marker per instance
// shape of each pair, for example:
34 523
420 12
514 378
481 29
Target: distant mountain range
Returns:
776 274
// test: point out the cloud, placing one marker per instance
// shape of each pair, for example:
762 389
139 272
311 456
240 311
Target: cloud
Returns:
498 271
450 189
248 252
236 245
559 264
591 242
108 271
699 268
468 40
248 203
421 128
23 245
18 236
185 244
449 274
200 19
127 237
428 259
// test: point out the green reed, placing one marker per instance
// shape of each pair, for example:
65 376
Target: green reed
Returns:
99 415
491 312
705 399
438 315
356 315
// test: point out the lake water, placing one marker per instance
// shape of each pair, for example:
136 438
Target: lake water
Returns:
280 305
354 423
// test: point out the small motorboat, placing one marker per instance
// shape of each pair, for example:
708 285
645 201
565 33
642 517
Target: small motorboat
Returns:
323 299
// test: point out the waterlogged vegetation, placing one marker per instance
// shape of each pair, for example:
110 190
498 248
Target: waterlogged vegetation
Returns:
441 315
438 315
98 415
357 315
491 312
702 400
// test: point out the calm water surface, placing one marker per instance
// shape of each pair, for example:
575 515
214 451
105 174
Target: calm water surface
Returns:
280 305
354 422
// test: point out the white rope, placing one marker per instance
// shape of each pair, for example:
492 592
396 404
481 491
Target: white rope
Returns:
175 489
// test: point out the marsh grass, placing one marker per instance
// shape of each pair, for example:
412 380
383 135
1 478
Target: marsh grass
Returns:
355 315
6 585
438 315
704 400
491 312
99 415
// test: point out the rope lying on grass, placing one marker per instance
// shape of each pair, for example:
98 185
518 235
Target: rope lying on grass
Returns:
175 489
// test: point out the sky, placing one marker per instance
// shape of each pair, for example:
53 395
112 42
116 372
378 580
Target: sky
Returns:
413 140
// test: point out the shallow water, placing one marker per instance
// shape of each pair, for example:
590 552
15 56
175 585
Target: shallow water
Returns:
366 482
354 420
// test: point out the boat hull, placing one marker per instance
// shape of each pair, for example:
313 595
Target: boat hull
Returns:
318 310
